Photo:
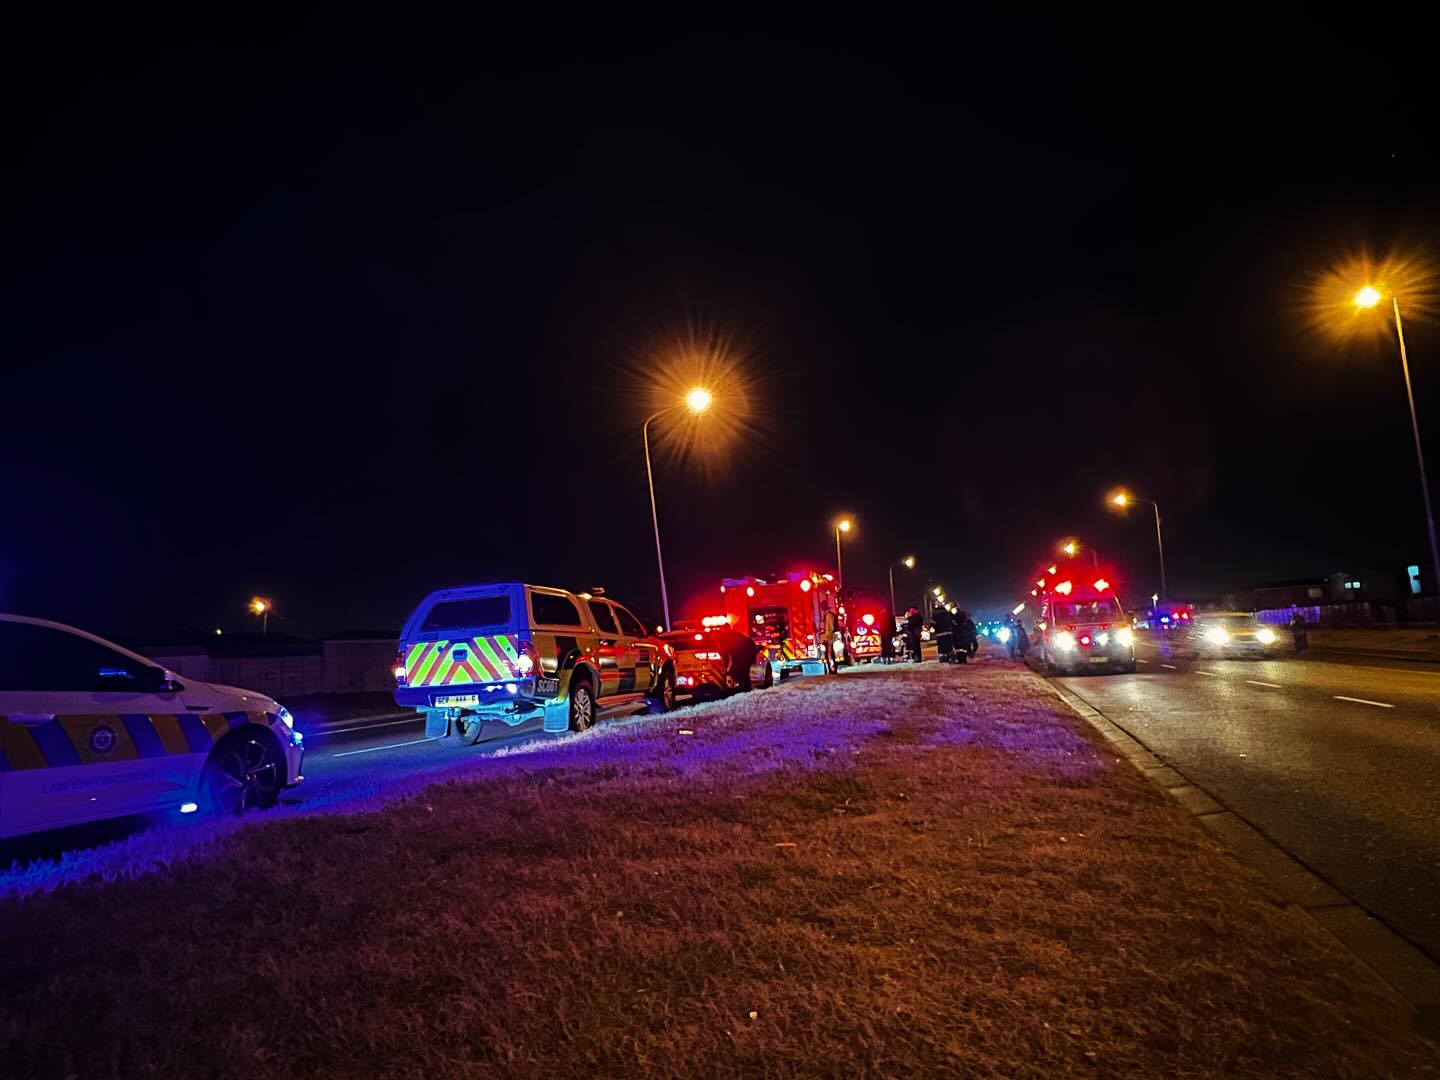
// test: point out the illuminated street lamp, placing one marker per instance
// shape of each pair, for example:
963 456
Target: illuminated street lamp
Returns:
841 526
1121 500
261 607
1070 548
1369 297
698 400
909 563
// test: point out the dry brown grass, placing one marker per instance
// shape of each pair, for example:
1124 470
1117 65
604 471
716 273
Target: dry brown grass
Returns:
904 873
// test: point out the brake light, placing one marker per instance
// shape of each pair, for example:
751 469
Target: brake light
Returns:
527 660
1084 639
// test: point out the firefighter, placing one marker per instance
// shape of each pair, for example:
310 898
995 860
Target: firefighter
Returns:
967 639
913 625
944 628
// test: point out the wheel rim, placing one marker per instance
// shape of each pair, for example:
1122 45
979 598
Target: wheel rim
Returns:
245 776
584 708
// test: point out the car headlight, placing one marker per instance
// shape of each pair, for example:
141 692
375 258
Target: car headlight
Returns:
1064 640
1217 636
1266 636
284 714
1103 638
1003 634
1125 636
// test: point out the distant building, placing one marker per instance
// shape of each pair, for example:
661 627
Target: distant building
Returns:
284 666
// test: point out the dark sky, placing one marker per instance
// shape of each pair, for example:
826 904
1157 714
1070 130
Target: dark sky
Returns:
344 316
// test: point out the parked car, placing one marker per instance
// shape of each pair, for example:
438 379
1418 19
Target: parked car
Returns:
712 660
487 660
90 730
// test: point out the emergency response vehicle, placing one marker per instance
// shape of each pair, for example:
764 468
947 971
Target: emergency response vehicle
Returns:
89 730
709 655
488 660
797 619
1082 627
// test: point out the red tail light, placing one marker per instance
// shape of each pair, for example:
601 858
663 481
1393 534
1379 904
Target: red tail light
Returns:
527 660
1084 639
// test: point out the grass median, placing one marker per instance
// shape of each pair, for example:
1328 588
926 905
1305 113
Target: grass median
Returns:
913 871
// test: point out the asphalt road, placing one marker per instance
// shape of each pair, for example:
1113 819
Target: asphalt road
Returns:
1337 761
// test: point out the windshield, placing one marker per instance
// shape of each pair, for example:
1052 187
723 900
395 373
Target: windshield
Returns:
1078 611
1232 622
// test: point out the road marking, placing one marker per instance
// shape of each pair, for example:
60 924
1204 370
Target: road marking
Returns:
387 746
1271 685
322 732
1139 661
1172 667
1363 701
1212 674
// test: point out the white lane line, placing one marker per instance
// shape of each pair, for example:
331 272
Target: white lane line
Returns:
362 727
1271 685
1212 674
387 746
1172 667
1139 661
1364 701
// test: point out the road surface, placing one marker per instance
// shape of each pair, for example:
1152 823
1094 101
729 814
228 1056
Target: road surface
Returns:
1338 762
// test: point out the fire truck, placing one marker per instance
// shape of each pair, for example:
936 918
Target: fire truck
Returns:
796 618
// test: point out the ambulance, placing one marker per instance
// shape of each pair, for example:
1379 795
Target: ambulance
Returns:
89 730
796 618
1082 626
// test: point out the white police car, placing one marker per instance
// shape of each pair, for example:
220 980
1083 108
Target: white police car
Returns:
89 730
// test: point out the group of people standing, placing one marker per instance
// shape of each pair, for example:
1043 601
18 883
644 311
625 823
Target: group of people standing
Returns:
955 636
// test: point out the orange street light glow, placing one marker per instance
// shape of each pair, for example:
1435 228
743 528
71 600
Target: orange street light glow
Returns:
698 400
1369 296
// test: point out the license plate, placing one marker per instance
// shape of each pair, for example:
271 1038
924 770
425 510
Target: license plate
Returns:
457 701
1099 659
547 687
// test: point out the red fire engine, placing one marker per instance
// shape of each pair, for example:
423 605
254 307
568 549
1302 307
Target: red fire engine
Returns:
797 619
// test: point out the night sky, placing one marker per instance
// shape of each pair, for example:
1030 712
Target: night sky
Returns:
343 316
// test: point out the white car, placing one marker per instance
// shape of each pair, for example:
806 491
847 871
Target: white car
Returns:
89 730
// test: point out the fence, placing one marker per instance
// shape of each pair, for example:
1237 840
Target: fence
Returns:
1416 611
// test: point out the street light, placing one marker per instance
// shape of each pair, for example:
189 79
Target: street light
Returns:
1121 500
1369 297
261 607
698 400
841 526
1070 548
909 563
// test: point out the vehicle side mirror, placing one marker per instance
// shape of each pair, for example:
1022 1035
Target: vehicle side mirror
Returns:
159 681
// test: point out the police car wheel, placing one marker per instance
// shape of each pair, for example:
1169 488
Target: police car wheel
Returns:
663 699
243 773
466 730
582 706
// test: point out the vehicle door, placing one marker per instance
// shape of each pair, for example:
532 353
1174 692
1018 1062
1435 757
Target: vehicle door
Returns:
640 651
90 732
559 631
611 647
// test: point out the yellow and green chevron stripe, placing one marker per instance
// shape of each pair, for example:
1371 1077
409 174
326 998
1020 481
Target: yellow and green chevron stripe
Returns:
458 663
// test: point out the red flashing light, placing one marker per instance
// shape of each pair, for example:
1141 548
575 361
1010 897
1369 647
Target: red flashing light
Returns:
804 584
1084 639
1064 588
868 619
749 590
1101 584
699 637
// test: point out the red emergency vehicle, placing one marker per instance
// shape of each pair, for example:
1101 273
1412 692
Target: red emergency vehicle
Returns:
1082 626
796 618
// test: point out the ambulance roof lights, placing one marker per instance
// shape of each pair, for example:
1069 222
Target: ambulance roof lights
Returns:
715 620
804 584
749 590
1101 584
868 619
1064 588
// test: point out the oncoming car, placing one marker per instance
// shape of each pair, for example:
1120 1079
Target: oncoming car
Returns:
483 661
1234 634
89 730
1086 631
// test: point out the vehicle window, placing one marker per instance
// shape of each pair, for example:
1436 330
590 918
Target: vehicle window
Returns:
43 658
603 618
629 623
552 610
465 614
1105 610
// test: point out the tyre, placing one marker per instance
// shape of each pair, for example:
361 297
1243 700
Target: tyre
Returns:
662 699
1129 669
466 730
769 678
244 772
582 705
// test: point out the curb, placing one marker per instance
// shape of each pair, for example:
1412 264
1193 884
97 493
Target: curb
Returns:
1402 970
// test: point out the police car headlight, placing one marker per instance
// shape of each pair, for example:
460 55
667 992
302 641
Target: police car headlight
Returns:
1064 640
284 714
1125 636
1266 636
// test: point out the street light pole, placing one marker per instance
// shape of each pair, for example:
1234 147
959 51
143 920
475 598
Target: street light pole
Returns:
1419 454
909 563
655 519
839 567
1160 547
